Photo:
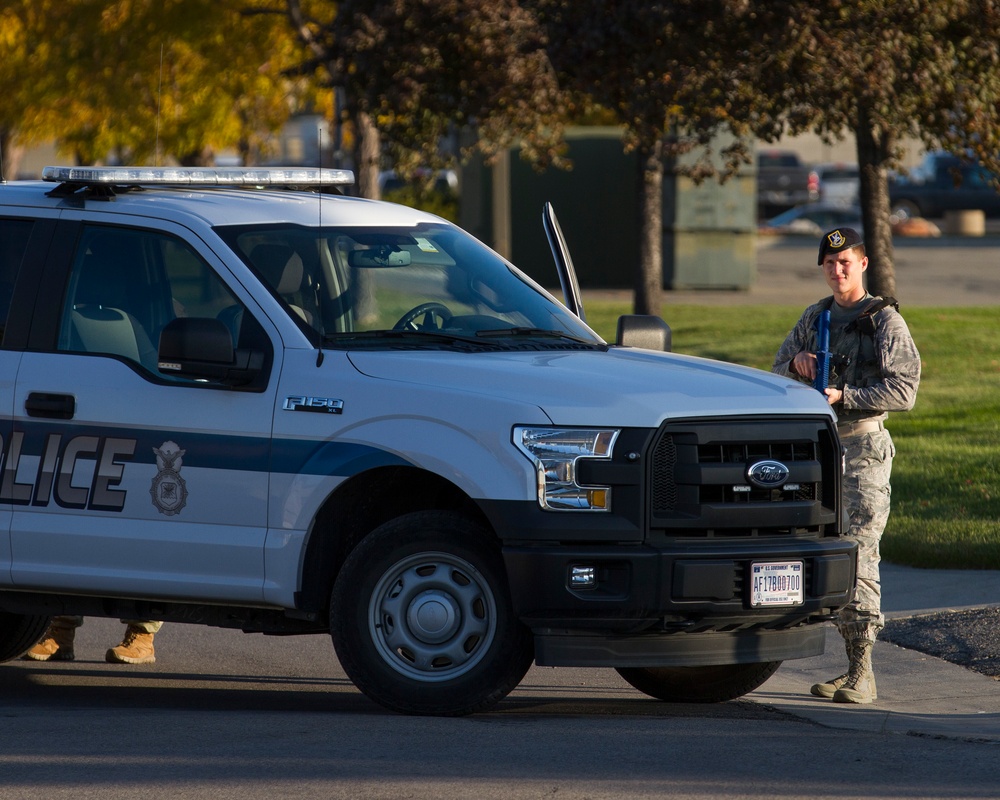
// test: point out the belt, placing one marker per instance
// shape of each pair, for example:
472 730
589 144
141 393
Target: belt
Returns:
861 426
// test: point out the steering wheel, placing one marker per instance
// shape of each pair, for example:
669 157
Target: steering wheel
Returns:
428 311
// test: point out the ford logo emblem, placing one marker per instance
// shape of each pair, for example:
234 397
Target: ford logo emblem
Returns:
767 474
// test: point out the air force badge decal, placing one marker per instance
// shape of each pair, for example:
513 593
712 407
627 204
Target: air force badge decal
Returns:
169 491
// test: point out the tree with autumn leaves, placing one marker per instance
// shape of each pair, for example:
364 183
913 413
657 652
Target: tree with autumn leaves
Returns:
515 70
415 71
144 80
657 69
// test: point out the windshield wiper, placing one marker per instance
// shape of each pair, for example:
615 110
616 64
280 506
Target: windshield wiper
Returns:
415 337
541 333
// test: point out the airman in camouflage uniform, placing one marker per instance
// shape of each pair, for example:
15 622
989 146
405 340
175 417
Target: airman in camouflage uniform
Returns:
875 369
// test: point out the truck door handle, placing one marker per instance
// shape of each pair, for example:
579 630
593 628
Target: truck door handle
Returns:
50 406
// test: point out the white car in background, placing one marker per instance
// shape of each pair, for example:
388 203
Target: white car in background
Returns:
836 183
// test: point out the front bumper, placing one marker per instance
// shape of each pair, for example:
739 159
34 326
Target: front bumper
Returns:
682 604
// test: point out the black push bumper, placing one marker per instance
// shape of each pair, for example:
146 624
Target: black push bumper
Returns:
688 604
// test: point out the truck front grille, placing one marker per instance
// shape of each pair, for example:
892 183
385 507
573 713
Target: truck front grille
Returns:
698 483
743 454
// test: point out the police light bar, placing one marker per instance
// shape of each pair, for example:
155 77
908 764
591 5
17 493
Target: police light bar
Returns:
200 176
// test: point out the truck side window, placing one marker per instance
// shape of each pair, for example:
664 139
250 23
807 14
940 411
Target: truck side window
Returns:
14 235
126 284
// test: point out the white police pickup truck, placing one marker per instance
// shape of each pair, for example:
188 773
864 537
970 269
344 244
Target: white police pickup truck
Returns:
228 403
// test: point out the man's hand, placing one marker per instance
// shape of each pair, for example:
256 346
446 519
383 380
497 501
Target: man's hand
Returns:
804 364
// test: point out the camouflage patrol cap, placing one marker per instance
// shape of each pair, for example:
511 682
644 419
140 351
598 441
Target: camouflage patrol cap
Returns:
838 239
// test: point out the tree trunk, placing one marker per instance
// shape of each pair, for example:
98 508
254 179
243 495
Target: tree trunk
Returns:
367 159
873 152
198 158
11 155
649 281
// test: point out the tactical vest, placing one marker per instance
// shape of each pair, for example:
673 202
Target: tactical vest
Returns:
855 362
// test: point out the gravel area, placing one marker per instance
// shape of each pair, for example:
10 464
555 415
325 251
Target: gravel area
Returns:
968 638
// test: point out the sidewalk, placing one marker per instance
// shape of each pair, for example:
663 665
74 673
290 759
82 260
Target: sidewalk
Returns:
917 694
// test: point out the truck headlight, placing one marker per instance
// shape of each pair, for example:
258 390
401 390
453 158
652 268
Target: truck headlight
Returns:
555 453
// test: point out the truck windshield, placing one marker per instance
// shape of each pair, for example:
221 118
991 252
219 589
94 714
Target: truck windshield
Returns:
347 285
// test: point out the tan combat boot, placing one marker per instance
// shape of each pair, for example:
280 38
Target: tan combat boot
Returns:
56 646
136 648
830 687
860 685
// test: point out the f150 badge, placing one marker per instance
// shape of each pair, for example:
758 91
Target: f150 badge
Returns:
323 405
169 491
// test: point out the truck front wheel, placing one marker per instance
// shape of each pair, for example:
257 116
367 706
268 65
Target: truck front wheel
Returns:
713 684
422 621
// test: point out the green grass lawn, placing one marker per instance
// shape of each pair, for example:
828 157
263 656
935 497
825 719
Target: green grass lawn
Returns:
946 474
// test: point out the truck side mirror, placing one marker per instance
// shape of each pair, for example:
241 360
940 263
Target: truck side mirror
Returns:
202 347
644 331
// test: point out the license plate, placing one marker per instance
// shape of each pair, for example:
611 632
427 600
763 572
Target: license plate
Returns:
776 583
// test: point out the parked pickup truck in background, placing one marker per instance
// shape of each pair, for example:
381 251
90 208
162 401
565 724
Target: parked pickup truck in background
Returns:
783 181
944 182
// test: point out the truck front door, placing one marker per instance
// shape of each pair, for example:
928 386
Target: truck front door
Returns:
125 479
15 234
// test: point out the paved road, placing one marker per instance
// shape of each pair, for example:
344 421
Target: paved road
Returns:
929 272
227 715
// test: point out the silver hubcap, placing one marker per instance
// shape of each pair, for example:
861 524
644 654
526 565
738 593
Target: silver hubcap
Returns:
432 617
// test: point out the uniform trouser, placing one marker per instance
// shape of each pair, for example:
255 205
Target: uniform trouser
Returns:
145 625
866 494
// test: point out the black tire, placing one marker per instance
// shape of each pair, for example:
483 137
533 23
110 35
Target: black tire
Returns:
422 621
714 684
19 633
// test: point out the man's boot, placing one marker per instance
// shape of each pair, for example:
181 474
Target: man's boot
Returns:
56 646
860 685
136 648
830 687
